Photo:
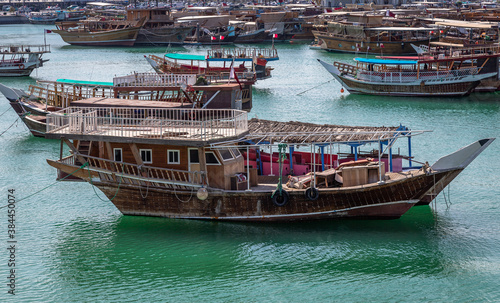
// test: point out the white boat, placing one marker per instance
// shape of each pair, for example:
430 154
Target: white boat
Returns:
21 60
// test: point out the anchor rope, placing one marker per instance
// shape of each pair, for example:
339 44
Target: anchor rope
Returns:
29 196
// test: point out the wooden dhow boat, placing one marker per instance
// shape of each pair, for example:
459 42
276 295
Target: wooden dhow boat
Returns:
97 32
450 76
144 90
21 60
160 28
209 65
366 34
200 164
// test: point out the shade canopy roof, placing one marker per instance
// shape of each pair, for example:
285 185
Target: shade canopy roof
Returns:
185 57
84 83
386 61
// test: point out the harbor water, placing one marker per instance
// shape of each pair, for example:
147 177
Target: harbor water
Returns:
74 245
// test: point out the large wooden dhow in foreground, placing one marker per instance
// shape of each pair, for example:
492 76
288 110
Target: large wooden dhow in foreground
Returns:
202 164
448 76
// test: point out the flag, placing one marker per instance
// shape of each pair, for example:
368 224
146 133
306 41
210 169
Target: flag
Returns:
213 38
48 31
232 75
275 35
222 37
388 13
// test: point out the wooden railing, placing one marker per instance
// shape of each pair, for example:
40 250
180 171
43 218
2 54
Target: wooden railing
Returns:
24 49
411 76
228 53
154 80
142 175
345 68
61 94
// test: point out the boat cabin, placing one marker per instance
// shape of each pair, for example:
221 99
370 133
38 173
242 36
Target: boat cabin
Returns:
237 154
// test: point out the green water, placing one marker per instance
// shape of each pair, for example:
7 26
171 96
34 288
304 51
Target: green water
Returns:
74 247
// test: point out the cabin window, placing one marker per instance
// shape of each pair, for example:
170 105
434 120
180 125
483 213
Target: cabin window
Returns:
193 156
236 152
146 155
118 154
225 154
173 157
211 159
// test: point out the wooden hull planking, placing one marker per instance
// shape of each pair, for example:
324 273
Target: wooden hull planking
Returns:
162 35
374 201
36 125
409 89
346 45
121 37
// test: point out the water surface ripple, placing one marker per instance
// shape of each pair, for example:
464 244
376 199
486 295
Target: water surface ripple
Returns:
73 247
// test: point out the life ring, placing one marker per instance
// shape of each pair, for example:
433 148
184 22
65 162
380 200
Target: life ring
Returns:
312 193
21 66
280 199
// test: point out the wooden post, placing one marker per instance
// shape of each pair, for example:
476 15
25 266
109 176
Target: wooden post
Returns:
61 151
101 149
110 152
203 162
135 152
75 150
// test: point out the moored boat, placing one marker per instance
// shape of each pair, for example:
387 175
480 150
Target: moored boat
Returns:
455 75
21 60
96 32
137 90
160 28
197 164
362 33
207 65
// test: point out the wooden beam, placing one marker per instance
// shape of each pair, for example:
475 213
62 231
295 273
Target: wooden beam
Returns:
75 150
135 152
101 150
203 163
61 150
110 151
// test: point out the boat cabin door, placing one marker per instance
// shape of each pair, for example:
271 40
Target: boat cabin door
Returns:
193 159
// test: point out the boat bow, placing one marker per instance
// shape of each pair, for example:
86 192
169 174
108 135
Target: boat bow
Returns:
462 157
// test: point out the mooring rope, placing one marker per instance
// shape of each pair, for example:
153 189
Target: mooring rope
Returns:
6 111
183 201
93 186
314 87
29 196
147 184
9 126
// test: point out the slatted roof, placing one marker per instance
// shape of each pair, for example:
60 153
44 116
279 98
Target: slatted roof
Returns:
293 132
